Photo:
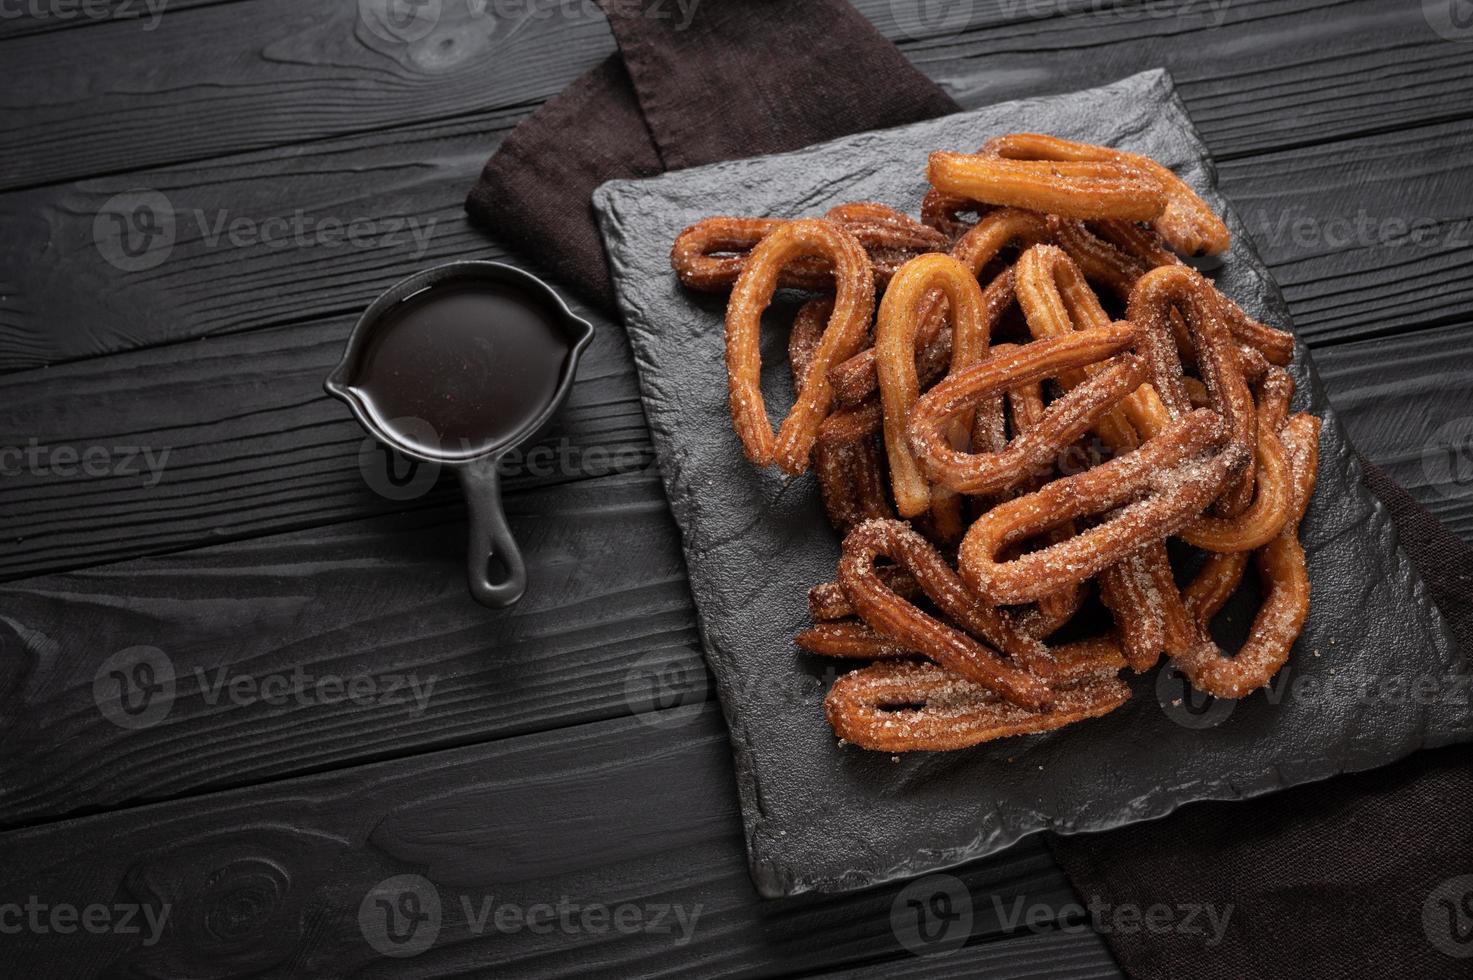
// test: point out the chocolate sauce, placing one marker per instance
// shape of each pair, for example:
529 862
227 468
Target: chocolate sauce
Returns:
476 362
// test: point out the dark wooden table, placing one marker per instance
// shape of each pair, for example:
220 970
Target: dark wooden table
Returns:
197 205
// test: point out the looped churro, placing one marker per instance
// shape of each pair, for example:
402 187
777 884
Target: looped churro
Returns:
850 639
920 707
1180 288
1068 454
1159 487
845 333
1063 421
1272 500
827 601
944 213
897 619
1057 301
1075 190
710 254
856 379
808 326
1186 221
896 330
1285 581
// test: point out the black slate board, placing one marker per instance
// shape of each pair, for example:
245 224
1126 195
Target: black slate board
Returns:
829 817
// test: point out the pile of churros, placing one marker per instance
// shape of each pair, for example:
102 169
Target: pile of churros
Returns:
1011 404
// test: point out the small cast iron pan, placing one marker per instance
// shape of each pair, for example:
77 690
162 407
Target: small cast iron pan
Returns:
458 365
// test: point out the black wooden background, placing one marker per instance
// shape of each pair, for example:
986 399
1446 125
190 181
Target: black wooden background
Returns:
542 767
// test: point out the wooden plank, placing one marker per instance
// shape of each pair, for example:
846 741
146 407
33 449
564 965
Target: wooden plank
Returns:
381 604
403 191
1366 237
19 18
254 447
1408 403
240 76
271 881
264 73
1256 74
385 595
175 446
237 244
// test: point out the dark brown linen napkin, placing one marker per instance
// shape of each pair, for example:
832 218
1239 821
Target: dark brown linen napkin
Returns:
744 78
1323 880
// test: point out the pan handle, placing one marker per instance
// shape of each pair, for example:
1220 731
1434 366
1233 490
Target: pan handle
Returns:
491 543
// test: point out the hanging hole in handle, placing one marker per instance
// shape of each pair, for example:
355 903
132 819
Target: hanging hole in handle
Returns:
498 575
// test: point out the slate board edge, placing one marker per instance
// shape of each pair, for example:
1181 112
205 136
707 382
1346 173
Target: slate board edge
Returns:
777 876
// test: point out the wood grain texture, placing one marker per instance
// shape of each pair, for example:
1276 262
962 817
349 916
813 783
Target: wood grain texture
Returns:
43 16
263 636
385 595
270 882
535 768
243 440
1409 405
264 73
1370 236
255 240
1329 230
1256 74
256 448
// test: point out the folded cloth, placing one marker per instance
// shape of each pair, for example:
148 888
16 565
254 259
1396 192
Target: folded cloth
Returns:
743 78
1323 880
